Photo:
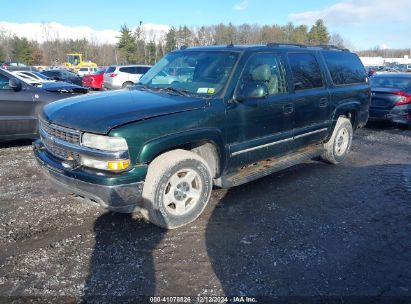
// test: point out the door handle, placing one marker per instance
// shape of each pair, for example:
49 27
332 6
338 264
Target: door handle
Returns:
323 102
288 108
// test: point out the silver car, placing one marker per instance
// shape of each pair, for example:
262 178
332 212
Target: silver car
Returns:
122 76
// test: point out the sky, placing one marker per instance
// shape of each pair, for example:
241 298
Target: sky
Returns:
363 23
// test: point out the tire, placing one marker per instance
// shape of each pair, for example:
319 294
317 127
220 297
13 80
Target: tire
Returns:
177 189
127 84
338 146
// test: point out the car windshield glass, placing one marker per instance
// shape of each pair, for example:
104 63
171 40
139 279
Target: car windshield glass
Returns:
391 82
203 73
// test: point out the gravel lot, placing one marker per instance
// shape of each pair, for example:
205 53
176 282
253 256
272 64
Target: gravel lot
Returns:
314 229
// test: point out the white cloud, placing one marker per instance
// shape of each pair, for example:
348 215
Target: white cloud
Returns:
241 5
384 46
355 12
53 30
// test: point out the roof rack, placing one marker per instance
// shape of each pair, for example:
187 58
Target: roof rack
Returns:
323 46
274 44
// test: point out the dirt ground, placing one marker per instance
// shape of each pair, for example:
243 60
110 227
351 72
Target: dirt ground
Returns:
312 230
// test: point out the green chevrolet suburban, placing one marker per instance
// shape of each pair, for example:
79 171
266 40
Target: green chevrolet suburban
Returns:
243 113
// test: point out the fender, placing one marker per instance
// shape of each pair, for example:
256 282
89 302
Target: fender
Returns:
154 147
352 106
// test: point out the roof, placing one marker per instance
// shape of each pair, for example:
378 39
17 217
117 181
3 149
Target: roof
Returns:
256 47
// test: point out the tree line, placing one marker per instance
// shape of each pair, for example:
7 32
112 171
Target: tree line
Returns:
139 46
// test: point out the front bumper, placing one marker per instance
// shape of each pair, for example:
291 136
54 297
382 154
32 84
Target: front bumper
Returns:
123 197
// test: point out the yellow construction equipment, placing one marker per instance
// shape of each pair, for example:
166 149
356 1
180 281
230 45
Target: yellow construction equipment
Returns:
75 62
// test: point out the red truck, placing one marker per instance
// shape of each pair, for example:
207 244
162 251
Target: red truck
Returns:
94 81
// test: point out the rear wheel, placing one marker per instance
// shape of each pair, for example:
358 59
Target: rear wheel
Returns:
338 146
177 189
127 84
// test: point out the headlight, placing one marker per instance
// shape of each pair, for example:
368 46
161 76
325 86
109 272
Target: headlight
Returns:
102 142
111 165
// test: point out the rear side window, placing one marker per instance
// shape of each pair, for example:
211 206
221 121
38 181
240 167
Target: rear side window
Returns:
306 71
345 68
126 70
142 70
111 69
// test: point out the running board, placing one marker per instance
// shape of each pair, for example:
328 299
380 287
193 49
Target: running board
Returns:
267 167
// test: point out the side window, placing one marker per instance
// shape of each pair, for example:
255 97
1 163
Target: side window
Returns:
306 71
126 70
4 82
263 70
345 68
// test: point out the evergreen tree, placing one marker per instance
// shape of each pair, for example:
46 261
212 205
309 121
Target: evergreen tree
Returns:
127 45
318 33
171 40
22 50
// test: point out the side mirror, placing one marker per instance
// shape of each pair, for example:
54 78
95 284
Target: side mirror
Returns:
15 84
252 91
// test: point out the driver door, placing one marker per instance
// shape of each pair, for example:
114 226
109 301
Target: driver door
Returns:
16 111
260 128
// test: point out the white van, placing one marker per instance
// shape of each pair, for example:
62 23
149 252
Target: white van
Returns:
86 71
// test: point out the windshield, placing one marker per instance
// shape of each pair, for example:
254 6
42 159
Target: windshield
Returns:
390 82
73 59
199 73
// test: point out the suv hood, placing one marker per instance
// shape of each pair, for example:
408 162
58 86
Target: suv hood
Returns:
99 113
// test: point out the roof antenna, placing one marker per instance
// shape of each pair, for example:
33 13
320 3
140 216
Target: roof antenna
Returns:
231 43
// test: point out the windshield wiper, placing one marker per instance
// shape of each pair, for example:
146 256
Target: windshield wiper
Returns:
174 90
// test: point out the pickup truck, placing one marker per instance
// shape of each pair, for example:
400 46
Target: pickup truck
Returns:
245 112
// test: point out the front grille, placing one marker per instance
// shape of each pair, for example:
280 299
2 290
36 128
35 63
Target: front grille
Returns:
50 131
66 134
61 153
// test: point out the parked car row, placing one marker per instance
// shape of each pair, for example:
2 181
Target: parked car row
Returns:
200 117
389 68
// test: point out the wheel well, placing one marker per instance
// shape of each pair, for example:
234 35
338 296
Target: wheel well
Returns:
126 82
209 152
351 115
206 150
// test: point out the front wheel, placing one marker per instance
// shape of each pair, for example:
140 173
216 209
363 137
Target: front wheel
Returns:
177 189
338 146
